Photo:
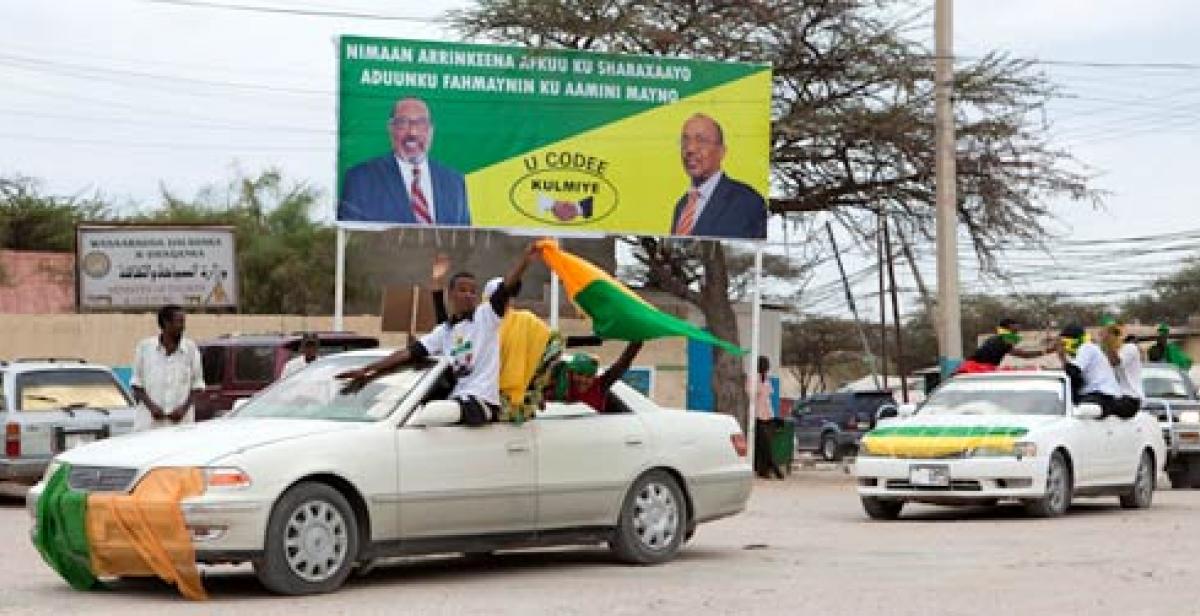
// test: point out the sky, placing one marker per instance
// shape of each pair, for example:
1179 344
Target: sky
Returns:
128 96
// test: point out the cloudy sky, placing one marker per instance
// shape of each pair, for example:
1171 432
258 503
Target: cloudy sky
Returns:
123 96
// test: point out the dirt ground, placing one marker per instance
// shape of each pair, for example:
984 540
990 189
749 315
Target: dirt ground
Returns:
803 546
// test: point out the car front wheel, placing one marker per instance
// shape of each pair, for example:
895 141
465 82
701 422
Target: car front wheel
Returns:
311 543
1058 490
653 521
830 450
1142 493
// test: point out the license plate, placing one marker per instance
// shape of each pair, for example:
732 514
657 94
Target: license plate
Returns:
71 441
929 476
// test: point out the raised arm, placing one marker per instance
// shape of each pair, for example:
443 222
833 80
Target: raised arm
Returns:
621 366
499 299
437 287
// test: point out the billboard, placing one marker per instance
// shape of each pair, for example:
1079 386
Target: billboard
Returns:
123 267
550 141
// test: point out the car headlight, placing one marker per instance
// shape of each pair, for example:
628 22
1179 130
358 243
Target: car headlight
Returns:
1025 449
1189 417
226 478
990 451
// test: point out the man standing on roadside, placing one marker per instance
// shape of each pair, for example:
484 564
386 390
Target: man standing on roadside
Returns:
167 373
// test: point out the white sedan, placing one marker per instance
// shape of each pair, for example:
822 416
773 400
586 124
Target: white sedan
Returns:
984 438
305 481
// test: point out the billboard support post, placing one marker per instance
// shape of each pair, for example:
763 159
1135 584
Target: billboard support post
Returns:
339 281
755 332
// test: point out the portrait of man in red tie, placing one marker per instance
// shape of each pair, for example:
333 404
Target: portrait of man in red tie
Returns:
405 186
714 204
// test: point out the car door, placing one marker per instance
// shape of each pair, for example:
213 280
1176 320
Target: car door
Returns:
1125 438
809 423
586 463
1092 460
456 480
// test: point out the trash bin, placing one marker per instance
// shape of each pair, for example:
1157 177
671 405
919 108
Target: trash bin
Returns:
783 443
774 446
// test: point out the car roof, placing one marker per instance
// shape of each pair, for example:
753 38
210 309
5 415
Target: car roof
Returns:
1010 374
283 338
50 363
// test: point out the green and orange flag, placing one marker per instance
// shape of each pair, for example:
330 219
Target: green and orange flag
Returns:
616 312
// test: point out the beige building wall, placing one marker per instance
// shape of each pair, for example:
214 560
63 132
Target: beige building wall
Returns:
110 338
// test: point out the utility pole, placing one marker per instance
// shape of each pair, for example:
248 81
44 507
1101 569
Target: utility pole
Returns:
949 312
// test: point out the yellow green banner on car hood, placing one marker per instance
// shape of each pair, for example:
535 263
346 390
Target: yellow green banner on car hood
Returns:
937 441
88 535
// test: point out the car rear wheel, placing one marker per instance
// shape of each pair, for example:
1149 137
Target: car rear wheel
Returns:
882 509
653 521
1179 480
1142 493
830 450
1059 487
311 543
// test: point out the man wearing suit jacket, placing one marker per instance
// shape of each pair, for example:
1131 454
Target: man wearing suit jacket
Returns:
715 205
404 186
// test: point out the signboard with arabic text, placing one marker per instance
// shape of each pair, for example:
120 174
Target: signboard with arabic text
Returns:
123 267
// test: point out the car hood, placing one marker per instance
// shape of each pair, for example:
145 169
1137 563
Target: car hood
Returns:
1027 422
196 444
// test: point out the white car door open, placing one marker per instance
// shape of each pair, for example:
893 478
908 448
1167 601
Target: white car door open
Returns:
458 480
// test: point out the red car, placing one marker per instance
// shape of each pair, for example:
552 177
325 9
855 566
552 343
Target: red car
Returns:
237 366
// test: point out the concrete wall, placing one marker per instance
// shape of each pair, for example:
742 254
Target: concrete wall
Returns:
110 338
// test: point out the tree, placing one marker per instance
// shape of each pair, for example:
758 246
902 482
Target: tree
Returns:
284 258
1171 299
820 352
853 128
32 220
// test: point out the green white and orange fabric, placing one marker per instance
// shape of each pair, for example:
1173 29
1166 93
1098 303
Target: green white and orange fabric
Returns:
616 312
937 441
87 536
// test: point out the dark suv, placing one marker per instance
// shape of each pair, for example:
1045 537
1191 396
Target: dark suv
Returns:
832 424
237 366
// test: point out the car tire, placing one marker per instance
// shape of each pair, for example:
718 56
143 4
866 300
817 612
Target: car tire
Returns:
830 450
1191 474
882 508
1142 493
1179 480
1059 488
654 520
311 542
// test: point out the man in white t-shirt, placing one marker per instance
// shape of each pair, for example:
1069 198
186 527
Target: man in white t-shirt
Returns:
310 344
1092 376
167 374
470 339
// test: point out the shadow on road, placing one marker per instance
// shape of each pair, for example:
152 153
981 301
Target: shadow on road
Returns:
1001 513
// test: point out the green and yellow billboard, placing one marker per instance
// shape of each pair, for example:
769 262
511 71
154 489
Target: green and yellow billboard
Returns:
550 141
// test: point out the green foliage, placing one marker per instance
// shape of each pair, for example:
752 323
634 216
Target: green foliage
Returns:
31 220
1172 299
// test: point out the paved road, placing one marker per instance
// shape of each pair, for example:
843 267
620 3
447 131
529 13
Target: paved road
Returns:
802 547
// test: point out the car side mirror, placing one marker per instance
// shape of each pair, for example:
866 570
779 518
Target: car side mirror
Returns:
1089 410
907 410
437 413
887 411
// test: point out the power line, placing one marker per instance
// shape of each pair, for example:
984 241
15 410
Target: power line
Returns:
300 12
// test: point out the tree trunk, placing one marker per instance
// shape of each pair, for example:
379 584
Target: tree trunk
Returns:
729 374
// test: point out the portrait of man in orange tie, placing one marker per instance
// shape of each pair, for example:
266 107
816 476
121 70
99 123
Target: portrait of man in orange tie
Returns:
714 204
404 186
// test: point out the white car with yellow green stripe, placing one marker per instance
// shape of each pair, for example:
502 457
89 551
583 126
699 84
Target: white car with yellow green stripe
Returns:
1007 436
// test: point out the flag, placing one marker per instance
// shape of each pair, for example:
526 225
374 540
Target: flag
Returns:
616 312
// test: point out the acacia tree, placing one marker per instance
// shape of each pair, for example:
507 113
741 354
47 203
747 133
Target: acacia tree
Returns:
852 131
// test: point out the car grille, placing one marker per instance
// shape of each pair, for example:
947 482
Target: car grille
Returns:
961 485
101 478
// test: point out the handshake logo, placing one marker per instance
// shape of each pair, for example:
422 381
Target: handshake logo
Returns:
565 210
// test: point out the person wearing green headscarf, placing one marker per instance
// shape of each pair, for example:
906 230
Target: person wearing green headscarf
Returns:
576 378
1166 351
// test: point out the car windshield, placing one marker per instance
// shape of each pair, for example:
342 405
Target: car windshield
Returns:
1015 396
56 390
314 393
1163 383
